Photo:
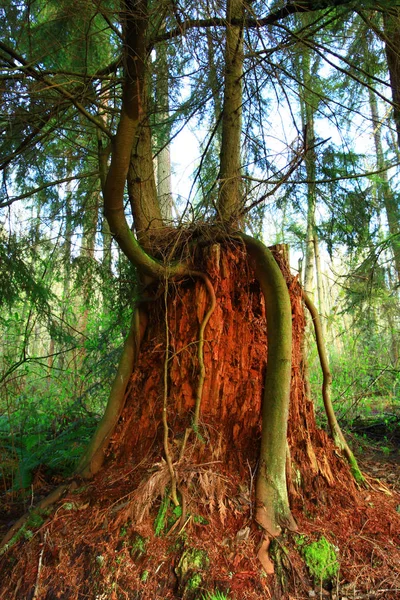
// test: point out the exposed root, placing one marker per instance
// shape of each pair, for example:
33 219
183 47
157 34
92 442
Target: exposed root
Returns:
167 450
92 460
334 426
272 502
200 356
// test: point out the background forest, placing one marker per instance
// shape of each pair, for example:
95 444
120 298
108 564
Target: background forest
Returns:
320 162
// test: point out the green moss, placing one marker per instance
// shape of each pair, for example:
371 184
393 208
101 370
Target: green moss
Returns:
174 516
320 557
200 520
194 582
279 555
191 559
144 576
189 571
35 520
124 529
355 470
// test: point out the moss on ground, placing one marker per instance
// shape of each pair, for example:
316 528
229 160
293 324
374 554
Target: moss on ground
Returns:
320 557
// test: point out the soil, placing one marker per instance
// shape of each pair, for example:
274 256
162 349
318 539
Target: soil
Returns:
366 535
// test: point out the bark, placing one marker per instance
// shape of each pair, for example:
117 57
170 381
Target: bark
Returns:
213 82
272 509
318 272
142 185
93 459
164 189
384 191
230 192
131 143
391 21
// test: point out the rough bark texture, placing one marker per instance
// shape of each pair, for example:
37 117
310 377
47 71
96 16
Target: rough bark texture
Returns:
230 192
385 193
234 362
391 22
235 358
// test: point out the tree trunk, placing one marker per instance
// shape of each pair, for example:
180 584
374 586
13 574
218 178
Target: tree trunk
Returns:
308 105
230 193
384 191
391 21
163 157
229 428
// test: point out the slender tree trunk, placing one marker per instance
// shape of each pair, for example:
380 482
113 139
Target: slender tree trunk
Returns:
391 21
214 84
384 191
163 167
230 191
308 104
67 248
319 280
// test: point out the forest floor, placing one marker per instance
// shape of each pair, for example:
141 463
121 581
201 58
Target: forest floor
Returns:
366 536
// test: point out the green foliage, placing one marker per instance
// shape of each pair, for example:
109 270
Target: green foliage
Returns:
320 557
194 582
161 518
144 576
42 445
18 280
138 547
194 558
216 595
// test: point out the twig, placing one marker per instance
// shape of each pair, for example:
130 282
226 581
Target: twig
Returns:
200 356
40 564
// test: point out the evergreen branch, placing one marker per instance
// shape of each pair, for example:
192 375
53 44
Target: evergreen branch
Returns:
327 180
60 89
291 8
45 186
34 137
